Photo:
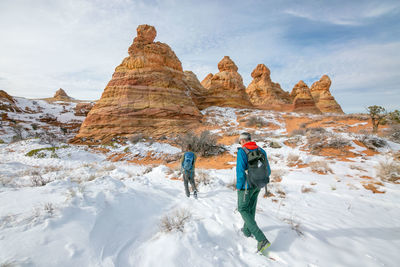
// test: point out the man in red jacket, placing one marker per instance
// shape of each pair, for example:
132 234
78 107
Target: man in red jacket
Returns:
247 196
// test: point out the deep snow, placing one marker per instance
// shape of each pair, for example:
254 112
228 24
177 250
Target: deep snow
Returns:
93 212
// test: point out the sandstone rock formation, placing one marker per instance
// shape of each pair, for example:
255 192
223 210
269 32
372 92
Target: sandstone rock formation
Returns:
7 102
264 93
61 95
302 99
323 97
196 90
83 109
147 94
226 88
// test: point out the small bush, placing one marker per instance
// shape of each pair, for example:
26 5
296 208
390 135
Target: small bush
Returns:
203 177
389 171
37 179
372 142
205 144
276 175
273 144
175 221
41 152
297 132
315 130
320 167
394 134
49 208
337 142
136 138
305 189
49 138
256 121
18 130
1 141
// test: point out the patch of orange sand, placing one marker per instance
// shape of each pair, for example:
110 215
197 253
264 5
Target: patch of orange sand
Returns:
366 177
373 188
337 123
367 152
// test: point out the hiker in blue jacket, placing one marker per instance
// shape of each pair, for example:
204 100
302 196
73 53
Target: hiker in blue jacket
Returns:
247 196
187 168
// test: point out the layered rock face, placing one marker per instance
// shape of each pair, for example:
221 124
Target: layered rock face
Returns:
61 95
225 88
7 102
196 90
147 94
303 101
323 97
264 93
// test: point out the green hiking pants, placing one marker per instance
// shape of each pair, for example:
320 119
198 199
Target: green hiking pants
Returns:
188 177
247 203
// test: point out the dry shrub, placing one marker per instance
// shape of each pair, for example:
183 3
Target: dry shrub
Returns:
293 158
394 133
337 142
256 121
355 167
281 193
276 175
37 179
49 208
294 225
358 116
202 177
320 167
305 189
136 138
372 142
389 171
175 221
232 184
205 144
297 132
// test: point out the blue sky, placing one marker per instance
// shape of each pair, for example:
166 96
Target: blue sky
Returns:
77 44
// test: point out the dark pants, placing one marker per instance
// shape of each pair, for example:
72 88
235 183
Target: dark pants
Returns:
188 176
247 203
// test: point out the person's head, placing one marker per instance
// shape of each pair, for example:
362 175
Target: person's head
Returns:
189 147
244 138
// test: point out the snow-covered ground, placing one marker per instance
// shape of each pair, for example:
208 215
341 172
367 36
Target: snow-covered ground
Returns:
73 207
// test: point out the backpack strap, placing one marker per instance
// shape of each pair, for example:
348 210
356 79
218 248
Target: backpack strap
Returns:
246 150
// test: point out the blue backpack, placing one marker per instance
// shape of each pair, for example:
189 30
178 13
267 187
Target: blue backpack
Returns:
188 161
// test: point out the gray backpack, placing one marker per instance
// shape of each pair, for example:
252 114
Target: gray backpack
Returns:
257 176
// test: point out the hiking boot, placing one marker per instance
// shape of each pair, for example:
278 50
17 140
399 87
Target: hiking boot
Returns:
263 245
245 233
195 194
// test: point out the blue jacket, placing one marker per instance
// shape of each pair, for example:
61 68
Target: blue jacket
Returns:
241 165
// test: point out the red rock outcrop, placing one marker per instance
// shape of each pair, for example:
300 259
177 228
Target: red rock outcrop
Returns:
264 93
147 94
303 101
83 108
7 102
323 97
225 88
